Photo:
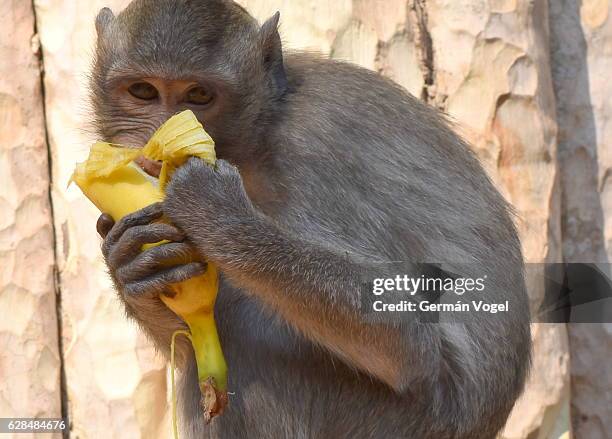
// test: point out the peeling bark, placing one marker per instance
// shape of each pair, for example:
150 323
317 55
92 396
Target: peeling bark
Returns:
422 39
29 358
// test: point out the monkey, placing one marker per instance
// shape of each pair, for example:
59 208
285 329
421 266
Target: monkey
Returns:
327 174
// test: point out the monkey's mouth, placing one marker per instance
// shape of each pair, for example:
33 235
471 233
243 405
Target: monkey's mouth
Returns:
151 167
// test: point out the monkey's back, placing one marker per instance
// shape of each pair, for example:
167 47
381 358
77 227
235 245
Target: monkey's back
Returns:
378 162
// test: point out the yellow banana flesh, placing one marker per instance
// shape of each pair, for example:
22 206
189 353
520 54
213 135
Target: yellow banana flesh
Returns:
117 186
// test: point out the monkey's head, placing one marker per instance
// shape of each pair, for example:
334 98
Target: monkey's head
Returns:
159 57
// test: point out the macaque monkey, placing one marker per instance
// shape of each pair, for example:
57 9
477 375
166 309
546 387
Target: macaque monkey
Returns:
327 171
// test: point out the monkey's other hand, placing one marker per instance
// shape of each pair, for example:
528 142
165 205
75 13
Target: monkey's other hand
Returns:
151 272
204 200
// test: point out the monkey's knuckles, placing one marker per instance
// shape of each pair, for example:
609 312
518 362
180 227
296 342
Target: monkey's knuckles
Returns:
198 177
152 271
204 195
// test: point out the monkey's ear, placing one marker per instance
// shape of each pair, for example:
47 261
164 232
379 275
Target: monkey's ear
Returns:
272 49
104 18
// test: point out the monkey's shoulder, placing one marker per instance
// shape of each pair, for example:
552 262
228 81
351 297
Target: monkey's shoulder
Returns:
349 108
321 79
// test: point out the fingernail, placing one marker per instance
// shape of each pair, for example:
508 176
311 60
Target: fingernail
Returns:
105 224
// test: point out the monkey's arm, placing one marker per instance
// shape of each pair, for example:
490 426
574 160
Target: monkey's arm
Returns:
315 289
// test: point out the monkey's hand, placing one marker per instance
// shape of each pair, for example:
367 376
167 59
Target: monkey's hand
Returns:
141 276
206 203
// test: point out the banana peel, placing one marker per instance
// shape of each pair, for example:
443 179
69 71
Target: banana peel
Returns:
117 186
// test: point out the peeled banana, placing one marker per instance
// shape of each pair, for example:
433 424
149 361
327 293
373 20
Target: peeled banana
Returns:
117 186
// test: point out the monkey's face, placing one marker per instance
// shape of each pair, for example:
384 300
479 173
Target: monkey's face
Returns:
137 105
158 58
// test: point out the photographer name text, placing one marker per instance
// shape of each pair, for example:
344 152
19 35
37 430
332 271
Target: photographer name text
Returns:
403 287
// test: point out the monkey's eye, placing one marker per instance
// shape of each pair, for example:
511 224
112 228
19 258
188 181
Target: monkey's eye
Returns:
143 90
198 96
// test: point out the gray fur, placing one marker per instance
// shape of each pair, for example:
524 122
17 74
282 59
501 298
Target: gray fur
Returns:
334 170
103 20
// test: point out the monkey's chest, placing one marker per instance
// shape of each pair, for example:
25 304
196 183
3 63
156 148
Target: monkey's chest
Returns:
283 386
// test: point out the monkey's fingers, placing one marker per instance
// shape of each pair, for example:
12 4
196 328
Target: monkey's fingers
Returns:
131 242
140 217
151 261
162 281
